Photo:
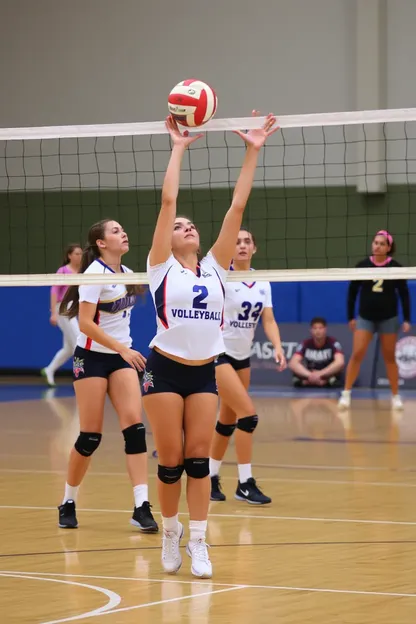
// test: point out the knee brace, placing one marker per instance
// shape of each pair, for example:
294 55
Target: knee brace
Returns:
197 467
135 439
87 443
225 430
169 475
248 423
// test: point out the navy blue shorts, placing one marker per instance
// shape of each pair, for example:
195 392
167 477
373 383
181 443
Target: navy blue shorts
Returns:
95 364
236 364
165 375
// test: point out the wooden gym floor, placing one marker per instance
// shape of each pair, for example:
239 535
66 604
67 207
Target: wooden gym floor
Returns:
337 544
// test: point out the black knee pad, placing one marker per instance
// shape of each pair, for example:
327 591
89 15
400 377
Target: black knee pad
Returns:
248 423
87 443
135 439
225 430
169 475
197 467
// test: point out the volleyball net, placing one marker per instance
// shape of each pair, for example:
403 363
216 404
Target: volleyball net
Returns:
324 185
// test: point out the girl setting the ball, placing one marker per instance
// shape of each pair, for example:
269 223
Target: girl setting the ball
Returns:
179 389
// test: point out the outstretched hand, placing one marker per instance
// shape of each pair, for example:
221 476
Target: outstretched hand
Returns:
184 139
256 138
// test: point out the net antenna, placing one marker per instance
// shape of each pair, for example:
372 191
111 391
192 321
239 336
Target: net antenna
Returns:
363 150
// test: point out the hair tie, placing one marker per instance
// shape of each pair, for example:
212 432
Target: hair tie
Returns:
388 236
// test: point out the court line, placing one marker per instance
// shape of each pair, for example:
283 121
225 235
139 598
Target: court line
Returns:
167 601
229 585
114 599
281 544
401 484
235 515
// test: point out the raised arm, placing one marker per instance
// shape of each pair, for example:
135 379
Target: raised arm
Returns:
162 237
224 246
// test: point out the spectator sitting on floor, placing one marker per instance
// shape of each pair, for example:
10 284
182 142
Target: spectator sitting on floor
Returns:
318 361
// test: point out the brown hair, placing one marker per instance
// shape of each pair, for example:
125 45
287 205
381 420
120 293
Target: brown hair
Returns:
68 251
318 320
253 238
90 253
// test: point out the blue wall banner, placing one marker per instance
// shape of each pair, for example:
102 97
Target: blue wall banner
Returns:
29 342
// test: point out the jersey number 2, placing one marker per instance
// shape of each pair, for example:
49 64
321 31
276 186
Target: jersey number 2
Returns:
198 300
378 285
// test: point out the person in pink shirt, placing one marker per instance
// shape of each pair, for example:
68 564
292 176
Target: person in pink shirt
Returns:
68 327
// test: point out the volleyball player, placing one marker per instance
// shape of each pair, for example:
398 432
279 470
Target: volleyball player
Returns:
245 304
377 312
104 362
68 327
179 388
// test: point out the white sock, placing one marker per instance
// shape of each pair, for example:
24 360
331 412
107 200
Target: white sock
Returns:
141 494
71 493
346 393
171 524
197 529
244 472
214 466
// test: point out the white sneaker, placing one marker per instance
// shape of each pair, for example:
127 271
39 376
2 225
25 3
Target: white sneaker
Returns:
45 372
345 400
396 402
201 565
171 556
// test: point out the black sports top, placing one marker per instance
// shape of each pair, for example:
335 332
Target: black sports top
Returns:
378 298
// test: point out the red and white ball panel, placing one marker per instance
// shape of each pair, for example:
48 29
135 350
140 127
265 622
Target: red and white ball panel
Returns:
192 103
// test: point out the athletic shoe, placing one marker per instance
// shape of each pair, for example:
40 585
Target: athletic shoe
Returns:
216 490
67 516
249 492
45 372
201 565
171 556
143 519
396 402
345 400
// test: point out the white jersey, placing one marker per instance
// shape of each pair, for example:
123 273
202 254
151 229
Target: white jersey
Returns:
189 307
244 304
114 307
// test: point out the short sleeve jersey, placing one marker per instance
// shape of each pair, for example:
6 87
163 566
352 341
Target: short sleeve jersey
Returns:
113 312
244 305
189 307
317 357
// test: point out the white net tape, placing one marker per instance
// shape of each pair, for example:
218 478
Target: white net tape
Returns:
215 125
289 275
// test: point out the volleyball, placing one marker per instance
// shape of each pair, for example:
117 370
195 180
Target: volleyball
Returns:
192 103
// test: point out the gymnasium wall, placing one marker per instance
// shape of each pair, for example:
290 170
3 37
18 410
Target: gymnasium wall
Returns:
28 341
102 61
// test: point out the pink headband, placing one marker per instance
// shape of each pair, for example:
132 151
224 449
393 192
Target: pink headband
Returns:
388 236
